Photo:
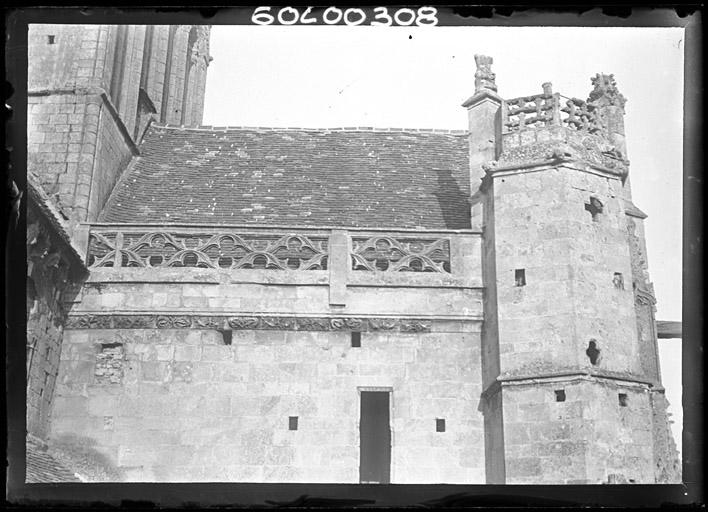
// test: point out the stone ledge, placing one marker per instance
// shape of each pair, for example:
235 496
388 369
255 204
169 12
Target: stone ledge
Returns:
257 228
565 375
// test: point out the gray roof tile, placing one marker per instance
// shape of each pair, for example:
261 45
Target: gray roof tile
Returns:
349 178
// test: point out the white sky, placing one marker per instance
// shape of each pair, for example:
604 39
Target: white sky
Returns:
417 77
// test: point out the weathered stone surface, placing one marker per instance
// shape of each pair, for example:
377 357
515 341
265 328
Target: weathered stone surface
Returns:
189 347
261 384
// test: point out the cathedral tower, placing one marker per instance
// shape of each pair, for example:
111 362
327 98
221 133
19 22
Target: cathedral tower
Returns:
93 90
573 392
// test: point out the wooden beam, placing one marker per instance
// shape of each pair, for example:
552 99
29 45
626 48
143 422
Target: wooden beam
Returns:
668 329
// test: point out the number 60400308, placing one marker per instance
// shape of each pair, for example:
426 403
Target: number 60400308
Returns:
377 16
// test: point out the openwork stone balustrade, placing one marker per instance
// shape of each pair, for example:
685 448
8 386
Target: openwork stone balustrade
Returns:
546 110
232 248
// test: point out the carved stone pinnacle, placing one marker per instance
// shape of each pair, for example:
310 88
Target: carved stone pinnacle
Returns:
605 92
483 77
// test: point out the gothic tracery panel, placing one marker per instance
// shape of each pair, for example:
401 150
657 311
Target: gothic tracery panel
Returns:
208 250
390 254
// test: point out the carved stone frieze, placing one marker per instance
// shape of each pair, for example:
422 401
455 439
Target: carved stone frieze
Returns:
206 322
414 326
313 324
278 323
382 324
88 322
133 322
350 324
246 323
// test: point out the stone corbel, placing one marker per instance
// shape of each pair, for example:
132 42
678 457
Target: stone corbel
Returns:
563 152
489 167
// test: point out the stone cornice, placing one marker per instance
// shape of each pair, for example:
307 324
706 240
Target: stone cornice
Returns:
481 96
255 227
587 374
632 210
493 170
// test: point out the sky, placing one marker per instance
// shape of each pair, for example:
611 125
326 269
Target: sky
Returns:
418 77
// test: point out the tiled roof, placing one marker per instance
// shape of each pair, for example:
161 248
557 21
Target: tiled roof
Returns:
289 176
41 467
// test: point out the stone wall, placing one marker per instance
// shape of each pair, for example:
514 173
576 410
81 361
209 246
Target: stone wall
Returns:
644 300
156 66
66 56
52 273
71 135
178 61
126 99
191 374
565 309
588 438
80 131
667 464
570 260
77 143
491 403
114 151
187 407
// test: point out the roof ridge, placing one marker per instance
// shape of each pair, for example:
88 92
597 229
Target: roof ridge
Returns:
210 128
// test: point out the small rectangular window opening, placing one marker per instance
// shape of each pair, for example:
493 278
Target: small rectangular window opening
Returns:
560 395
622 399
292 423
618 280
520 277
356 339
440 425
50 39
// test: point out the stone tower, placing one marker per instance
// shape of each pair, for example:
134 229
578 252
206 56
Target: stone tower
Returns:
572 387
93 90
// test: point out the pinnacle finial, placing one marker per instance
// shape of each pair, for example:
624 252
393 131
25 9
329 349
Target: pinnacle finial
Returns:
605 91
483 77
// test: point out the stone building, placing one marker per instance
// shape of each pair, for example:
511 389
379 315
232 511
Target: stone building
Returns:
339 305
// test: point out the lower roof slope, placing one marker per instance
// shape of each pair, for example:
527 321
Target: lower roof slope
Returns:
312 177
41 467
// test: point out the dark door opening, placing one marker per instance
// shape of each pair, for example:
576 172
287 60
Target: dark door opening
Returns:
375 438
